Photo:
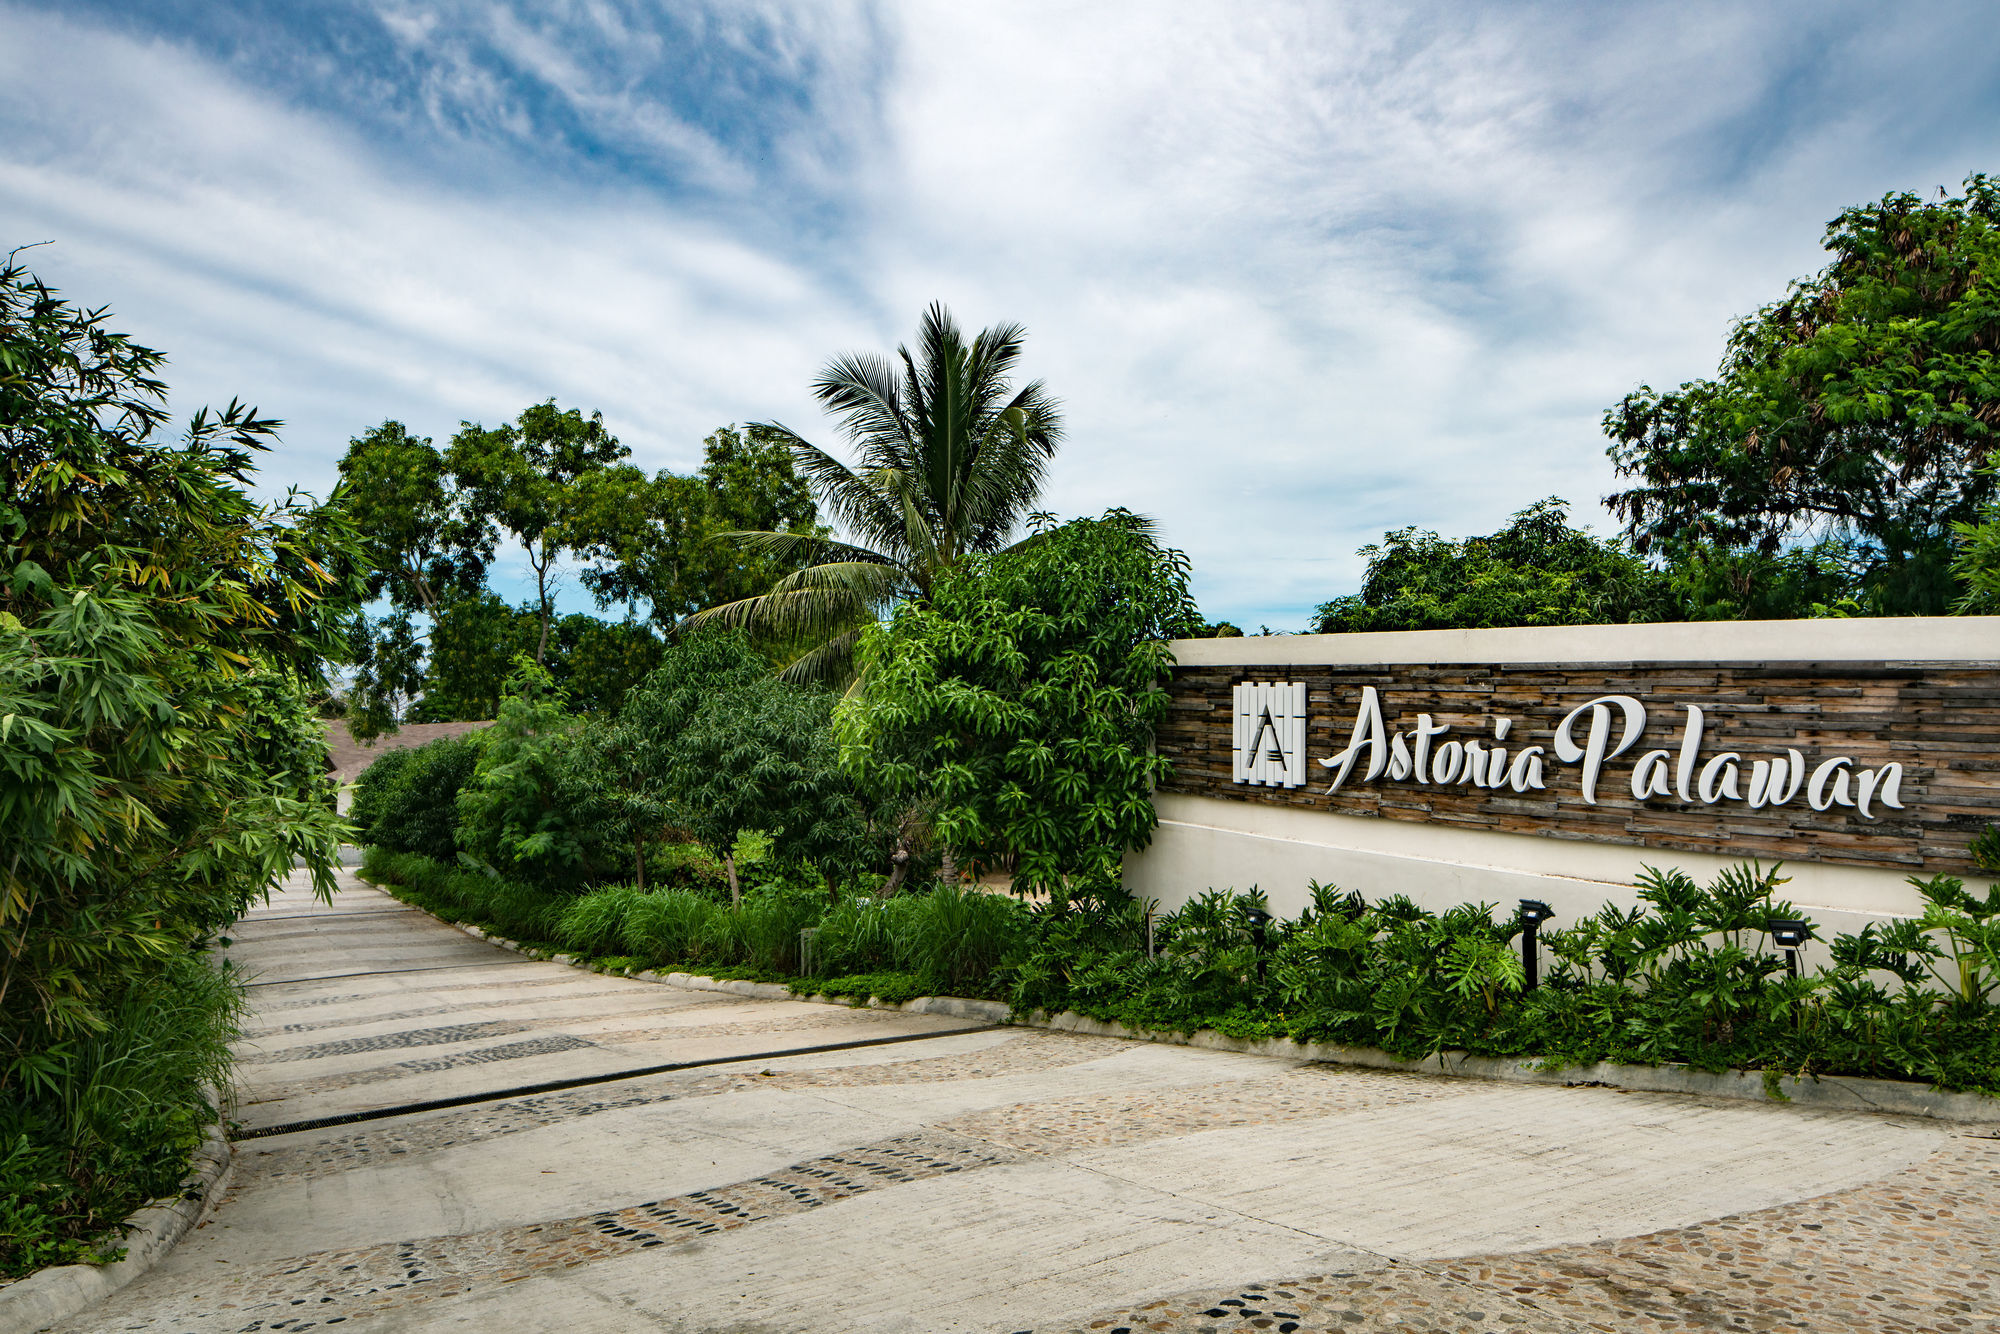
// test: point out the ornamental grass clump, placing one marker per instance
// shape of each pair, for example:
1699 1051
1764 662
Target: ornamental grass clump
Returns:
955 937
595 923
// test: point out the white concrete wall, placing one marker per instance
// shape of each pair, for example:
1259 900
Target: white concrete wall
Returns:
1205 842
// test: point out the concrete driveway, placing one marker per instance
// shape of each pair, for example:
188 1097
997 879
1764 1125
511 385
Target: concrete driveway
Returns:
951 1177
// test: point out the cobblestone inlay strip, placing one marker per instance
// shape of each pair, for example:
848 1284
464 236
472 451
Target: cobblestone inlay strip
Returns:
507 1051
1026 1052
567 978
1106 1120
411 1037
1915 1253
644 1002
1393 1297
331 1287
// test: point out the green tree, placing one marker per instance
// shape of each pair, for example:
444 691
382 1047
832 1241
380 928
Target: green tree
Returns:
659 540
1536 571
471 647
951 457
722 747
161 632
1860 407
537 806
527 477
1018 702
424 545
592 662
387 661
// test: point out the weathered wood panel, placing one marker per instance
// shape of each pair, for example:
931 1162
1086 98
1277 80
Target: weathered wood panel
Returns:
1941 722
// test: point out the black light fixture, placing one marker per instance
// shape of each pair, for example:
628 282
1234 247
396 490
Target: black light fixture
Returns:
1788 934
1260 922
1533 913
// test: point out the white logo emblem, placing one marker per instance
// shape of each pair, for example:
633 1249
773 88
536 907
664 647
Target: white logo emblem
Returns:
1270 736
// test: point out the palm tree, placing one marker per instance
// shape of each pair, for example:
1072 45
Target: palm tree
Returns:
950 460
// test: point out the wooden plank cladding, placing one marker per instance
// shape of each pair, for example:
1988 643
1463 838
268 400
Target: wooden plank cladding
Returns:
1922 740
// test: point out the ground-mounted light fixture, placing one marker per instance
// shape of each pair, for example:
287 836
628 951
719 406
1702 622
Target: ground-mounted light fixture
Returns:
1260 924
1533 913
1789 934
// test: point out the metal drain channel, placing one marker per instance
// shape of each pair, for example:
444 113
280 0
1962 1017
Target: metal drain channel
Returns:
584 1081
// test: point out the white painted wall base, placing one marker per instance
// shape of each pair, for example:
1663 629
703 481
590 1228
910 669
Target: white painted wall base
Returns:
1204 843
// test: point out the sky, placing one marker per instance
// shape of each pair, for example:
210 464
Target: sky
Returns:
1300 274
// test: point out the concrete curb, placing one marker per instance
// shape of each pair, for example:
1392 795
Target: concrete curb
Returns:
1836 1092
1831 1092
50 1295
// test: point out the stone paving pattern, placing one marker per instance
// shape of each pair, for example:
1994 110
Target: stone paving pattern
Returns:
1916 1253
1006 1180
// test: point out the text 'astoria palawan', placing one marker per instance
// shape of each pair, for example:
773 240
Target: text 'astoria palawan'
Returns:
1429 754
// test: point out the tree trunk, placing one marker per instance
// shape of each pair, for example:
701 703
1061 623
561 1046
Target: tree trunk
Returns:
542 601
639 862
948 868
899 866
735 889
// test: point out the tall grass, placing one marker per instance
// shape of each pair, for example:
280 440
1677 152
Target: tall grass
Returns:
113 1116
949 939
595 923
954 938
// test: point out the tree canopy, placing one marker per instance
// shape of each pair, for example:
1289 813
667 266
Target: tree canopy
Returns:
1018 701
661 540
425 544
1859 408
525 477
1538 570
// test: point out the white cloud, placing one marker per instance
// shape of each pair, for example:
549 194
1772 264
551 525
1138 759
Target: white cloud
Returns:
1301 273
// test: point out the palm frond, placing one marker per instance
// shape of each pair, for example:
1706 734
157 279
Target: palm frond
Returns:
829 664
812 548
862 391
847 497
948 461
794 615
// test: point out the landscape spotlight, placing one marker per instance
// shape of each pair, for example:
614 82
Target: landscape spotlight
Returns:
1259 921
1533 913
1789 933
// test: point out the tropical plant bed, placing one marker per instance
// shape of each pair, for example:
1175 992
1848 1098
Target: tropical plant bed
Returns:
903 991
1686 978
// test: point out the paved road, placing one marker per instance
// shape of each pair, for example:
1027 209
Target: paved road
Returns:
993 1180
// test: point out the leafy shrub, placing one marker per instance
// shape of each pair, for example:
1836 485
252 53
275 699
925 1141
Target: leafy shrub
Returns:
1017 702
891 988
771 919
112 1118
162 633
376 789
1688 976
413 807
539 805
857 936
519 912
